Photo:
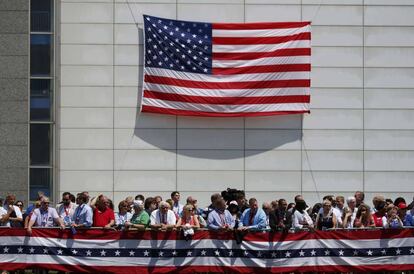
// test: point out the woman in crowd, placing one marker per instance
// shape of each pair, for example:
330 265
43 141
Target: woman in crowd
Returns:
363 217
349 213
392 220
188 222
326 219
123 217
140 219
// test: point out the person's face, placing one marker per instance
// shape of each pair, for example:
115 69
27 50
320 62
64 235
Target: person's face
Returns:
20 205
66 200
241 201
327 207
153 205
44 205
103 203
267 209
123 208
11 200
339 203
358 196
352 204
164 209
283 205
190 211
176 197
253 205
157 201
364 211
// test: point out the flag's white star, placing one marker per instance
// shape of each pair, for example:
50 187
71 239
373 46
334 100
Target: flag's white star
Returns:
246 253
146 253
171 33
74 251
6 250
200 52
88 253
174 253
203 253
194 68
231 253
131 253
177 29
31 250
160 63
149 40
154 57
194 35
160 254
159 21
301 253
166 59
45 250
217 253
194 46
327 252
149 29
200 41
383 252
165 27
355 252
205 70
369 253
274 254
341 253
195 57
206 58
117 253
287 254
183 56
412 251
313 252
60 251
159 31
103 253
182 34
182 67
148 18
188 41
189 253
259 254
155 46
171 65
20 250
160 52
398 251
188 62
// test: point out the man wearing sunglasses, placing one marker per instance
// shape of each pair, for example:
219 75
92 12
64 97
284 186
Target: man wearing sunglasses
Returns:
44 216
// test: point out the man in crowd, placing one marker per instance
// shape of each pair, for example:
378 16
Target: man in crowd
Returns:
83 216
103 215
157 199
66 209
338 210
220 218
214 197
44 216
253 218
12 216
359 198
177 207
163 218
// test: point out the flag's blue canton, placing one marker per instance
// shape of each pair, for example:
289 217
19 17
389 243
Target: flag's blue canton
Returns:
178 45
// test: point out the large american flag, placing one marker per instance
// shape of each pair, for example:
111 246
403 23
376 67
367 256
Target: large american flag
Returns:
99 251
226 69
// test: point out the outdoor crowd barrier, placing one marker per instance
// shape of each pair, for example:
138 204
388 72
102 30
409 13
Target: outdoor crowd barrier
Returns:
102 250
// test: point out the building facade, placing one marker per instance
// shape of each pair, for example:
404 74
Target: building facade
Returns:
358 136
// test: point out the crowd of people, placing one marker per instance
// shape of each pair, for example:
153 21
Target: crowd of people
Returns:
228 211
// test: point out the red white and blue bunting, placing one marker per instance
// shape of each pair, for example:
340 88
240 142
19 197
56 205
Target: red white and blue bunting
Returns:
160 252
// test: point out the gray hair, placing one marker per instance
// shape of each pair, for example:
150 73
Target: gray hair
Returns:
164 204
350 199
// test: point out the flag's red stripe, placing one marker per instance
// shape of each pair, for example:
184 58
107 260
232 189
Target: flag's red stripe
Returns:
260 40
206 268
288 99
262 69
251 26
216 114
227 85
257 55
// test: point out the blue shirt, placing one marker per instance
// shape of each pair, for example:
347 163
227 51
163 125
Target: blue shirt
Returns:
259 219
408 220
83 215
217 220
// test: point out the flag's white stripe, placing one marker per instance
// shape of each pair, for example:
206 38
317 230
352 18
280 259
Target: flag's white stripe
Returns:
225 108
207 243
207 261
227 78
226 92
261 47
259 32
285 60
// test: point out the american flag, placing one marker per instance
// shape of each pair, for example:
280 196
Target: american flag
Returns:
161 252
226 69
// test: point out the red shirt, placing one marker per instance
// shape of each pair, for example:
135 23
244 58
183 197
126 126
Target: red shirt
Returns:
378 219
101 219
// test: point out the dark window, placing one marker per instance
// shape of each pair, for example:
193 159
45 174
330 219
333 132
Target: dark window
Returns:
41 15
40 54
40 141
40 99
40 180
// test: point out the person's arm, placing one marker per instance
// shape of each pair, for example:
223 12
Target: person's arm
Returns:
334 221
112 220
196 222
31 223
295 221
179 223
93 201
261 221
273 221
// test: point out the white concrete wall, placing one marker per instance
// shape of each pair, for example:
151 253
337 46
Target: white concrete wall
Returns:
359 135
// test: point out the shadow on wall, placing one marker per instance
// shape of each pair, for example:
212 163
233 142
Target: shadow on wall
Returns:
215 138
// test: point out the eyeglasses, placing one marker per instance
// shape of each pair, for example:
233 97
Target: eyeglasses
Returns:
19 205
45 203
190 210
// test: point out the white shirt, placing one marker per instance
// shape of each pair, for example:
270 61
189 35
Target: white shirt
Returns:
351 223
16 210
122 219
2 213
156 217
66 213
338 214
44 218
299 219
